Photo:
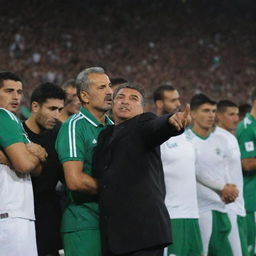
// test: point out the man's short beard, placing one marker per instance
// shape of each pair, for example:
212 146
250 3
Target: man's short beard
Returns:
170 112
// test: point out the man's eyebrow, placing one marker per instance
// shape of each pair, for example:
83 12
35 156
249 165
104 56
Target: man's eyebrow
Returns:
120 94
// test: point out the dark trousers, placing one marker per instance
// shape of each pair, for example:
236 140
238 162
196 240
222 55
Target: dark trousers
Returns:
153 251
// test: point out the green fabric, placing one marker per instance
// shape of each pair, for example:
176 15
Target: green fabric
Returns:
25 112
186 238
219 244
242 228
11 129
251 232
246 137
76 141
79 243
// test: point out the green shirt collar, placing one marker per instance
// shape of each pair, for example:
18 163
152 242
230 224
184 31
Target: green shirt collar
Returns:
201 137
91 119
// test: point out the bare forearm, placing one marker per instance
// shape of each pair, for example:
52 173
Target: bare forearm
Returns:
84 183
4 159
77 180
249 164
213 184
22 160
88 184
37 170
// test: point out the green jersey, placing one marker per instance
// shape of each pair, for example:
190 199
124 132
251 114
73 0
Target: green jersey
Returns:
246 135
16 188
76 141
11 129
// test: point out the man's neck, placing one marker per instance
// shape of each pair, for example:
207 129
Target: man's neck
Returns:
202 132
159 112
63 116
253 112
99 115
32 125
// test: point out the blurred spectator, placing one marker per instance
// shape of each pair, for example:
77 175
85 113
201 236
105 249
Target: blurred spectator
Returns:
200 47
72 104
18 46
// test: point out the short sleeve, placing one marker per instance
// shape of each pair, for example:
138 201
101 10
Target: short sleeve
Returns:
69 144
11 130
247 141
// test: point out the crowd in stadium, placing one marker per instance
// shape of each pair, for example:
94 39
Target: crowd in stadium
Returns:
89 171
162 42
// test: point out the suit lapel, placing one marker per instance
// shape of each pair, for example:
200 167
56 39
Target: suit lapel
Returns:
117 134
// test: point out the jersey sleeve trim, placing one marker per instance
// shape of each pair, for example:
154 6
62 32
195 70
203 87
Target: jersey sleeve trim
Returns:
72 136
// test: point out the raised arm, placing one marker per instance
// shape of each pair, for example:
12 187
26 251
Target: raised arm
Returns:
181 120
156 130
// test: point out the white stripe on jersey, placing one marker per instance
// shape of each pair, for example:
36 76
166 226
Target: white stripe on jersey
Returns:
12 116
89 120
72 134
109 120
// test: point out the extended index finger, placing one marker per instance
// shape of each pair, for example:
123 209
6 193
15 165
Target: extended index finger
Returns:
186 111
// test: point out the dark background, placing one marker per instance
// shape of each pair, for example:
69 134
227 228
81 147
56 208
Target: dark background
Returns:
198 46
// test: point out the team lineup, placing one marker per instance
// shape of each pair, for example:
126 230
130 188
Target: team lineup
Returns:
92 173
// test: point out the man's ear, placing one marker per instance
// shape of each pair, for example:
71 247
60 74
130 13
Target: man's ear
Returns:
159 104
218 116
193 114
85 97
35 106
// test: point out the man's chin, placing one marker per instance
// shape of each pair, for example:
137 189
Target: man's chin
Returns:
107 108
13 110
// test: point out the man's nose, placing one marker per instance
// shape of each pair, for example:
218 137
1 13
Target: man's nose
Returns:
56 114
125 101
109 90
15 95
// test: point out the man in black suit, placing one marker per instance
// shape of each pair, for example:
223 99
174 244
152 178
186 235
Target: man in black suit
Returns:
127 163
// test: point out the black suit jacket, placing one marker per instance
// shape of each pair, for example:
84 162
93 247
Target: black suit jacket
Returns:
127 163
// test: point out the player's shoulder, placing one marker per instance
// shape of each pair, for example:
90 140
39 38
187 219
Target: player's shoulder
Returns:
247 123
72 121
225 136
8 115
246 128
220 131
189 134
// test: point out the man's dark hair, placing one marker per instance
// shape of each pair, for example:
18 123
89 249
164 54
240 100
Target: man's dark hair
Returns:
133 87
200 99
224 104
46 91
117 80
243 109
253 95
69 83
159 92
6 75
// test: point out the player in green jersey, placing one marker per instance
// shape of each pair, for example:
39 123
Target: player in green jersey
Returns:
75 143
247 142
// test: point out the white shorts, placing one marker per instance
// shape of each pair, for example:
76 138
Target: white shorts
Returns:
205 224
234 237
17 237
